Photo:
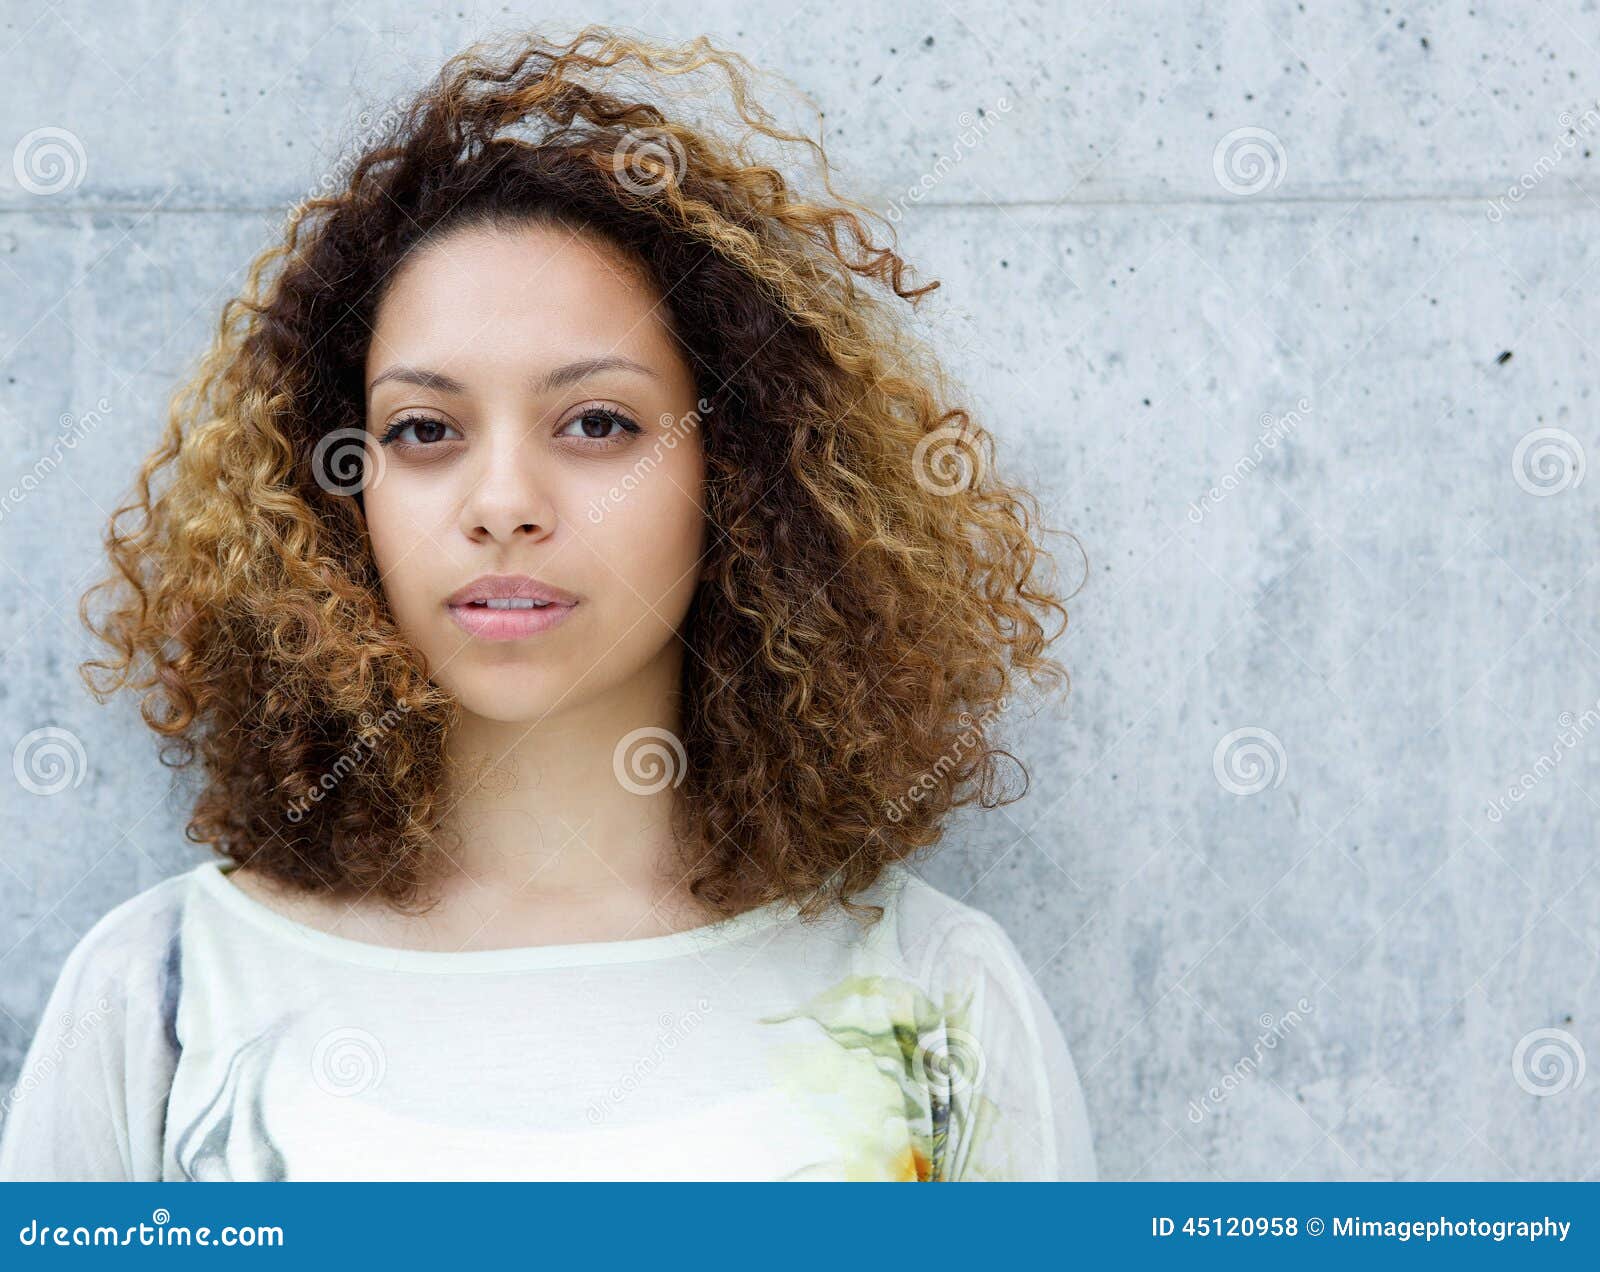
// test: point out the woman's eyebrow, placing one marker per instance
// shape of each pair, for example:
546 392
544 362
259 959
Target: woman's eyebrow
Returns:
554 379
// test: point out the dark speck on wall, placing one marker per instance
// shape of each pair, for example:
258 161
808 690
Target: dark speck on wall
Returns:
1504 358
927 42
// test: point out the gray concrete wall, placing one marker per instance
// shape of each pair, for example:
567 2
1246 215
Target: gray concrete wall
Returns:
1287 310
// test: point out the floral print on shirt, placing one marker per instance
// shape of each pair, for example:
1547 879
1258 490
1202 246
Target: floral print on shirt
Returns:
897 1080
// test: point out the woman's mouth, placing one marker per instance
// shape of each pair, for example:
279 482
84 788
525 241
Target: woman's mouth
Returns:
508 618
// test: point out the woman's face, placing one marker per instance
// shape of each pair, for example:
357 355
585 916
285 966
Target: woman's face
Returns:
502 454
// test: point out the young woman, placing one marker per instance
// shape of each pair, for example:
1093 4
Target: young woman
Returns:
582 604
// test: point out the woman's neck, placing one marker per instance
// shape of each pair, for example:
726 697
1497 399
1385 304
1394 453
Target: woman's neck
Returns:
571 813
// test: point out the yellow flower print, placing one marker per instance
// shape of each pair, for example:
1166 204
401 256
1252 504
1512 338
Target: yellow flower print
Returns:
896 1081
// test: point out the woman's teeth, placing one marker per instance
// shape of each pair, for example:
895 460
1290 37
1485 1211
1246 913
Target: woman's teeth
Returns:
512 602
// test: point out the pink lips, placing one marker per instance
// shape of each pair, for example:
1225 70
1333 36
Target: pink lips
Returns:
509 623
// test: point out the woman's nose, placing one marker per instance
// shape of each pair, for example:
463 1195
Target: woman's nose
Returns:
509 494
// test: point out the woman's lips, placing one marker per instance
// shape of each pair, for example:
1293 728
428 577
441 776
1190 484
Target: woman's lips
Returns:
507 624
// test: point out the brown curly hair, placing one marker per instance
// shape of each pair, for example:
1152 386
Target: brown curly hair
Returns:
872 586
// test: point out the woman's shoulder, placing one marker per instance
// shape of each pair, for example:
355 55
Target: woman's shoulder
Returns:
88 1100
130 958
951 974
927 907
926 927
146 920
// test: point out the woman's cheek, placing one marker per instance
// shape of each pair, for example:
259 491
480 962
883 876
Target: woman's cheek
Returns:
400 532
664 535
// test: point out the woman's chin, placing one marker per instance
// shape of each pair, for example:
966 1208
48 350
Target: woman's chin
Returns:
510 704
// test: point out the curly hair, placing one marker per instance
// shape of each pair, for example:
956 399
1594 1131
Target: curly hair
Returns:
874 589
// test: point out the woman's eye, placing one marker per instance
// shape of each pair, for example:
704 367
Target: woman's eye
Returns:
428 430
595 422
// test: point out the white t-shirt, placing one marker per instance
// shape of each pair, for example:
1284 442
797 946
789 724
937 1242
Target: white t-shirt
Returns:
196 1034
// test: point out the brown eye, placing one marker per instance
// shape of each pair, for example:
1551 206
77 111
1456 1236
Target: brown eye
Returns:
595 423
427 428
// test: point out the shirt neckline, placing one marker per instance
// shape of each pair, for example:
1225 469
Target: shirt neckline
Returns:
213 880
